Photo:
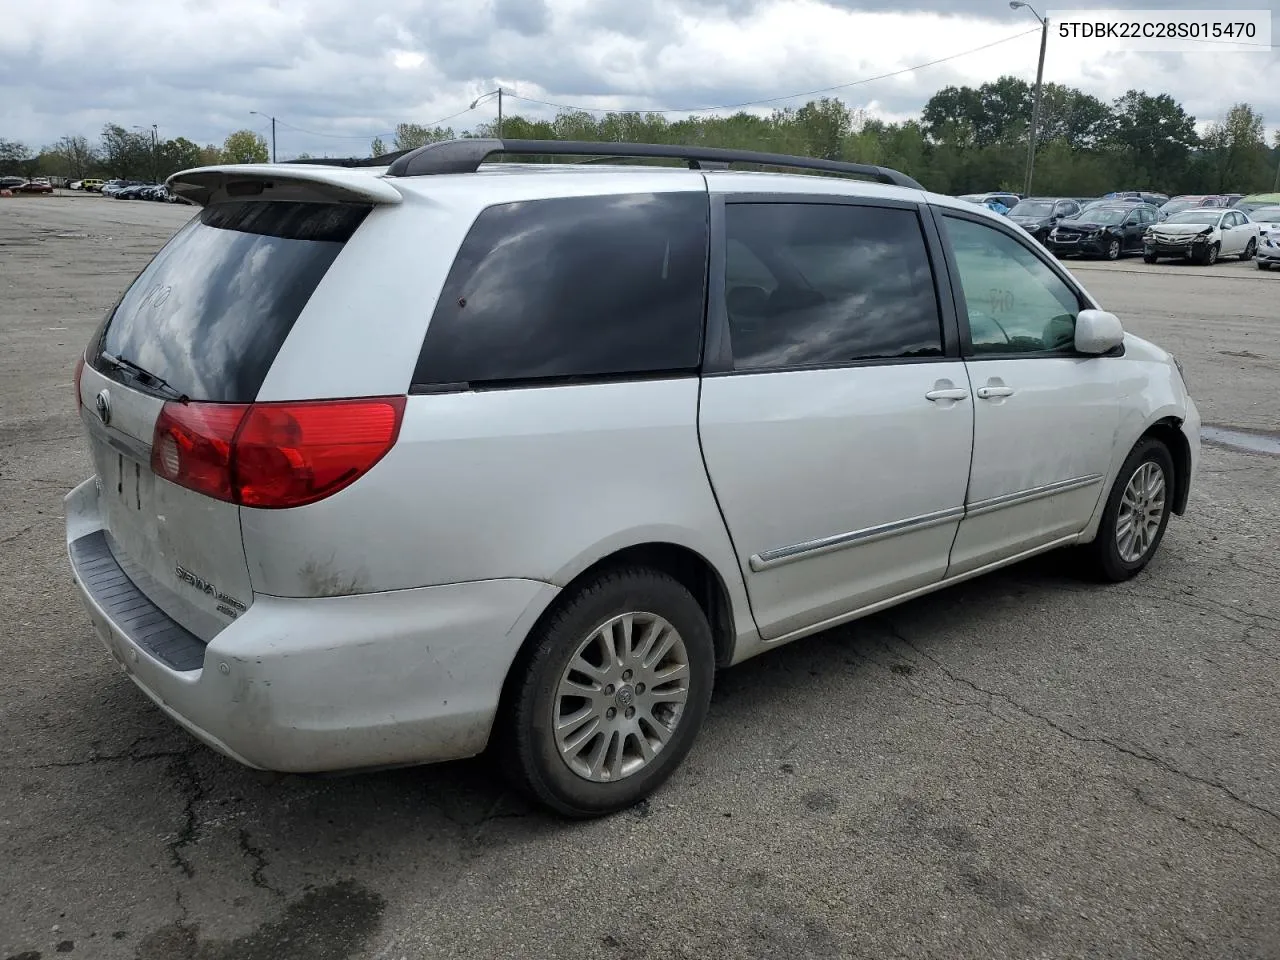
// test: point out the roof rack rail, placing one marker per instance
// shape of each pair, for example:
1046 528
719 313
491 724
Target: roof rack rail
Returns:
466 156
382 161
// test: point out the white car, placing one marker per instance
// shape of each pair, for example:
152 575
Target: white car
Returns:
1202 235
1267 220
396 463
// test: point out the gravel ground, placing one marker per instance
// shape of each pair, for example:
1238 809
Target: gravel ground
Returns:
1024 766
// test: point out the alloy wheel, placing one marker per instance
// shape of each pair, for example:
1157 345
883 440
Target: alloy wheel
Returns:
621 697
1141 512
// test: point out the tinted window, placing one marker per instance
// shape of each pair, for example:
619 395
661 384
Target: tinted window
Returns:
210 312
1016 303
573 287
839 284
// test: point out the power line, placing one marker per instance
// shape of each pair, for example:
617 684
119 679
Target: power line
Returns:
789 96
372 136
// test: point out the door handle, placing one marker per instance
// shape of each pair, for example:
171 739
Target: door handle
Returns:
988 393
951 393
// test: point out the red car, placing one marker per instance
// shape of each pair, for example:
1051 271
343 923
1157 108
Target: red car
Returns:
34 186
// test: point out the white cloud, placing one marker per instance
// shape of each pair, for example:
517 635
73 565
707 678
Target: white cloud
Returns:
197 69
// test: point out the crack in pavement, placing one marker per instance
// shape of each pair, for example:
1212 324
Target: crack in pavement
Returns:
259 859
1212 824
1138 754
129 754
183 772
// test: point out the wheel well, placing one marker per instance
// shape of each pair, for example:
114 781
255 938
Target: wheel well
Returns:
687 567
1169 432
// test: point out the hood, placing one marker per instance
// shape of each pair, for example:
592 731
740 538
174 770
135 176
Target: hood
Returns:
1181 229
1032 221
1083 225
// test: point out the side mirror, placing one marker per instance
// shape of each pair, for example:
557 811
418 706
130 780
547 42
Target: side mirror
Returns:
1098 332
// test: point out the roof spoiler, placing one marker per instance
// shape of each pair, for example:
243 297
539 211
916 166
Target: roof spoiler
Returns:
250 181
466 155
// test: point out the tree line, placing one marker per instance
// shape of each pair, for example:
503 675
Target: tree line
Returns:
127 155
967 139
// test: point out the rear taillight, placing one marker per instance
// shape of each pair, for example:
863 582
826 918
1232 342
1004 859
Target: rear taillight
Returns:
273 455
79 373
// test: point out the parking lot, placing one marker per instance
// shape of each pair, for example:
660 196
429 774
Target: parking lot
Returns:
1025 766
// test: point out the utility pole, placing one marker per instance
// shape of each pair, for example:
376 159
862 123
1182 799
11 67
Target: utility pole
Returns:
273 132
155 157
1035 110
485 96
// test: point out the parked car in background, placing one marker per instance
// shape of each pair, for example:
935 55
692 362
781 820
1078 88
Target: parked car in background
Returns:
918 394
91 185
11 183
1267 220
1121 201
39 185
1202 236
1256 200
1038 215
1107 230
1191 202
1007 201
1157 199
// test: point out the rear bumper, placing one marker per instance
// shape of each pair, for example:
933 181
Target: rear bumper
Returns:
1268 254
310 685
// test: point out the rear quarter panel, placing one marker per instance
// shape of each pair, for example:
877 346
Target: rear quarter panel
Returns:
531 484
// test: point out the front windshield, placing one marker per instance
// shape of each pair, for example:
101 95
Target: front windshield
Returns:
1107 215
1177 206
1209 217
1033 208
1266 214
1248 206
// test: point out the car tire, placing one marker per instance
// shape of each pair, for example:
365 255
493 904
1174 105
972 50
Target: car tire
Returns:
1210 256
1115 555
1263 265
1250 249
583 775
1113 250
1147 258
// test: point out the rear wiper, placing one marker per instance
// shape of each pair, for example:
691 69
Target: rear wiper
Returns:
143 376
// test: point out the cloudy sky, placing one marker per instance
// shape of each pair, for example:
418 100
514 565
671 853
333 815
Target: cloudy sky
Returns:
337 73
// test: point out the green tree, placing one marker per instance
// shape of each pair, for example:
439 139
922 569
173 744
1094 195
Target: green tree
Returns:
1157 137
377 148
245 146
1067 114
210 154
410 136
14 157
1236 152
125 153
177 154
70 157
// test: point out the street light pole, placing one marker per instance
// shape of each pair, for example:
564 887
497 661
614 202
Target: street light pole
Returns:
273 132
1035 110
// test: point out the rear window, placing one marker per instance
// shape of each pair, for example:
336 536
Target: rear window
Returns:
208 315
572 288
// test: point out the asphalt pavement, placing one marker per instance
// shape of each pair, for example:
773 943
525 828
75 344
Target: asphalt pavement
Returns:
1024 766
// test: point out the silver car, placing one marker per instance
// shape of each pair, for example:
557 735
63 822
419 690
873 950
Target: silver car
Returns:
394 464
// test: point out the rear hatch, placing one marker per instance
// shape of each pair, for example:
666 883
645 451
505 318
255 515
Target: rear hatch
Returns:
191 342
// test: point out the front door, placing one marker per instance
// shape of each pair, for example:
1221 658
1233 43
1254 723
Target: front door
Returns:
837 435
1045 417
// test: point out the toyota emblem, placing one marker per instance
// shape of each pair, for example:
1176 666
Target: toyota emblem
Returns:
103 403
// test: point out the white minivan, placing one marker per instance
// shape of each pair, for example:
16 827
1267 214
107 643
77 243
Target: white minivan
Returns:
396 462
